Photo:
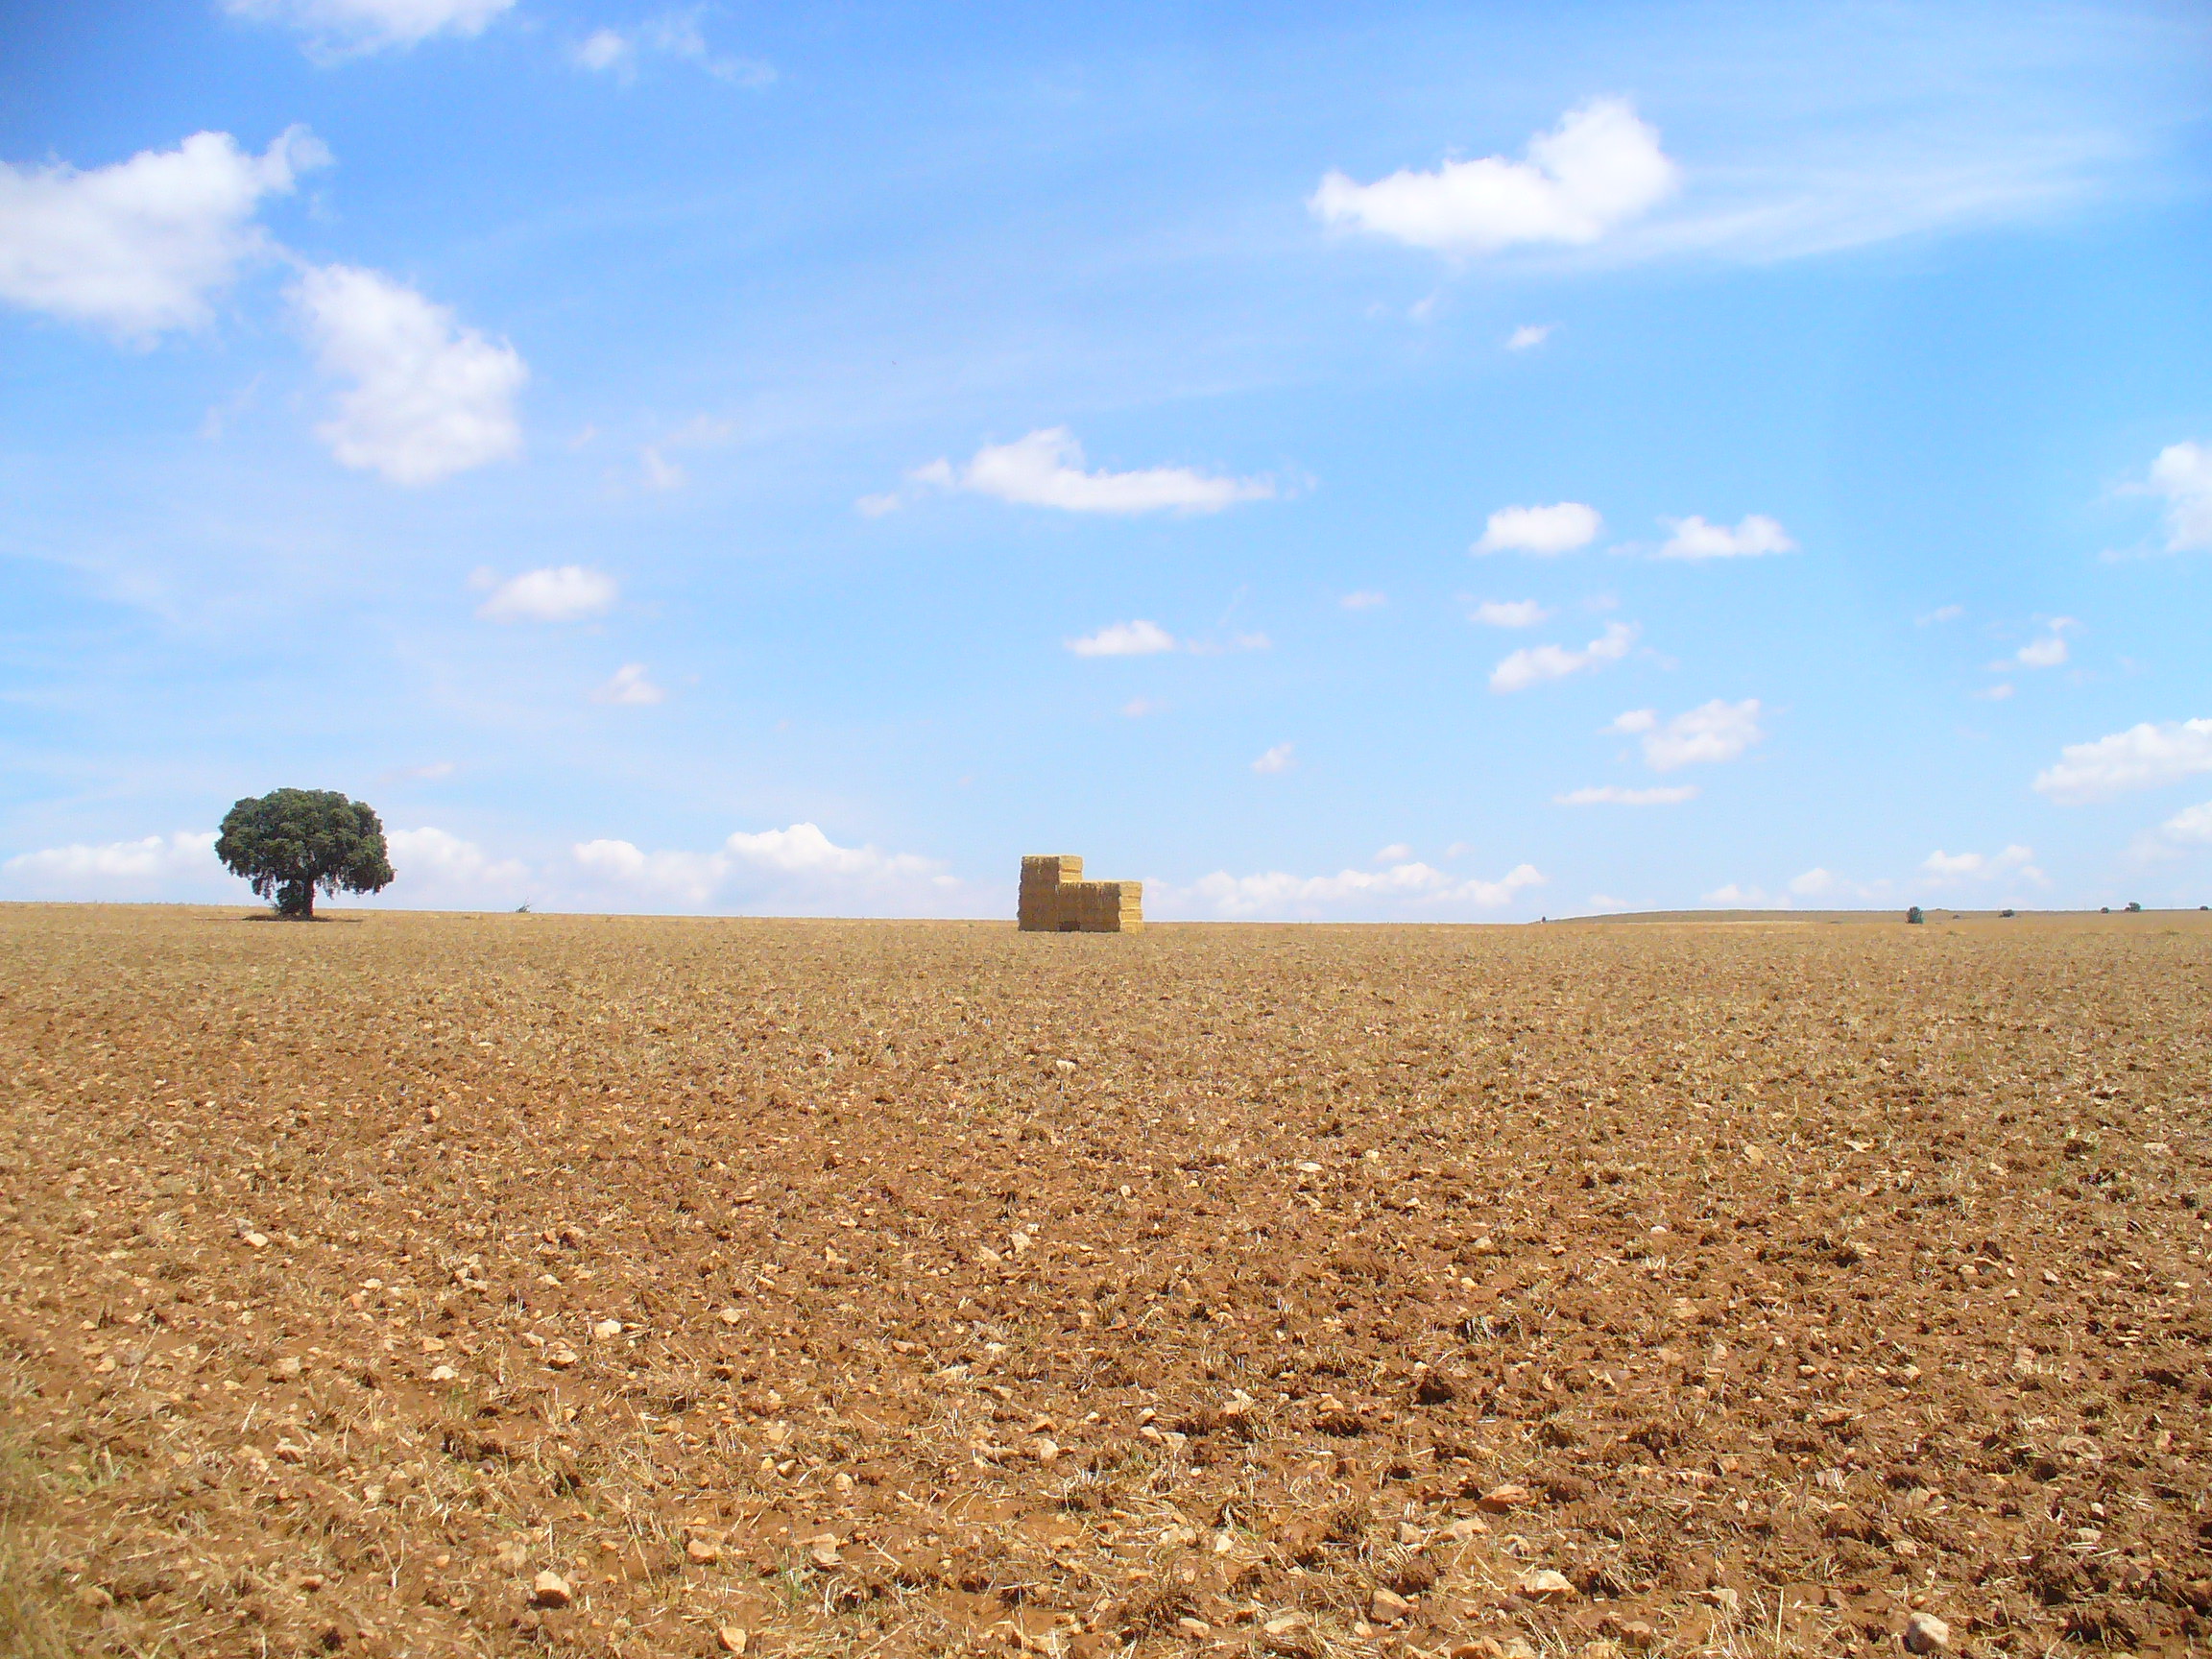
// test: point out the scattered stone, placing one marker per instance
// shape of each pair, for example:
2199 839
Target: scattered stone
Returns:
1547 1584
733 1639
1635 1633
1045 1450
1193 1627
824 1553
607 1330
444 1374
562 1357
288 1368
1388 1607
550 1590
705 1552
1510 1496
1924 1633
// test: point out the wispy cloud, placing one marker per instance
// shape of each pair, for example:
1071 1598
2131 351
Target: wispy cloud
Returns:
558 593
1365 600
1509 613
1530 335
1694 538
1280 758
1613 795
1137 639
675 35
1046 469
2144 756
1410 888
631 688
1534 664
1711 733
340 29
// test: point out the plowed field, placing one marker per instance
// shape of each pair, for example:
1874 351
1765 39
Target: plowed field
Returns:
415 1285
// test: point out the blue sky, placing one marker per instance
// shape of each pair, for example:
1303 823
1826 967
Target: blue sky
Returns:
1457 464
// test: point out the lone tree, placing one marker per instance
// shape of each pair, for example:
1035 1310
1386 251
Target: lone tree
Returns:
292 841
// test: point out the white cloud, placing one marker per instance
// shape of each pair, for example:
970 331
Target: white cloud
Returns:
2144 756
558 593
114 868
1137 707
1817 884
1941 613
1541 530
429 865
630 689
673 34
603 51
1613 795
430 396
1694 538
144 245
1364 601
1634 721
1046 469
2013 861
1734 897
1397 852
2182 474
2048 652
1710 732
1599 167
1279 758
1396 889
771 871
660 473
1534 665
1137 639
1995 693
2191 827
344 28
1509 613
1529 336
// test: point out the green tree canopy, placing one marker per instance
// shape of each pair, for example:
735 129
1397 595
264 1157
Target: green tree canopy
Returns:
292 841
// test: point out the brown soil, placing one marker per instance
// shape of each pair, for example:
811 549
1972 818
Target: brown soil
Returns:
801 1287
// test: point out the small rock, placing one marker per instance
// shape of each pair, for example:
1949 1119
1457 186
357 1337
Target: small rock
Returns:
550 1590
1510 1496
1725 1598
1018 1242
444 1374
1063 1065
823 1552
1547 1584
1045 1450
1468 1527
258 1241
1284 1624
1193 1627
704 1551
731 1639
1638 1634
1481 1647
607 1330
1924 1633
562 1358
288 1366
1388 1607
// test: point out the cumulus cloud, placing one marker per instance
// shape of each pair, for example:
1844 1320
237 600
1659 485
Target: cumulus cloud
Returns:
1137 639
1529 336
1817 884
1398 889
2191 827
771 871
558 593
2144 756
674 35
1280 758
1734 897
1708 734
431 865
1613 795
1397 852
1634 721
1544 530
114 869
1952 867
429 397
2182 474
2048 652
1601 167
1534 664
1509 613
630 689
145 245
1046 469
1364 601
1694 538
343 28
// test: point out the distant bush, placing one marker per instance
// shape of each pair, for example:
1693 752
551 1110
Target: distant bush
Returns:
1913 915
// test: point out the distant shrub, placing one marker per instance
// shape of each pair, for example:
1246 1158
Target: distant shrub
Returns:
1913 915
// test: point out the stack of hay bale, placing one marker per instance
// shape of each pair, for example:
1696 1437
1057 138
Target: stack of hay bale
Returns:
1055 899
